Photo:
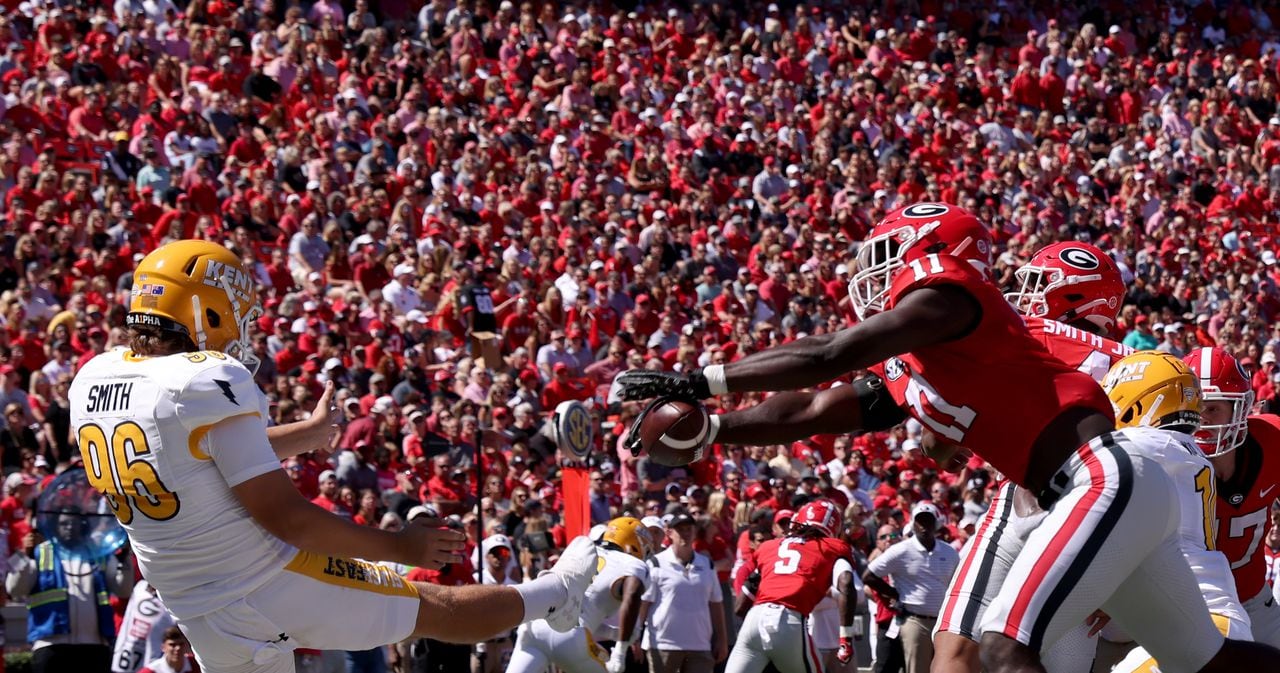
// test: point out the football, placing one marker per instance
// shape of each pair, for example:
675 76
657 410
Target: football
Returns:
672 433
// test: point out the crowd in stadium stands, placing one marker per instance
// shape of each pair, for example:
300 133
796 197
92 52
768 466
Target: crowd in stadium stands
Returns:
572 190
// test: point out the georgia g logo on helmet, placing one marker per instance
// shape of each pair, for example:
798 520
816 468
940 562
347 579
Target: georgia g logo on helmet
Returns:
1080 259
924 211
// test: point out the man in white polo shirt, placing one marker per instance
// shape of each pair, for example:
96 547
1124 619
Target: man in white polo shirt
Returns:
685 628
920 568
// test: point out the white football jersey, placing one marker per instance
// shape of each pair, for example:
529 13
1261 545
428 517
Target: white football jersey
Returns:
600 602
1193 480
142 426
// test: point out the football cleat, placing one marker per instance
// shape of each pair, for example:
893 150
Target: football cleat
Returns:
577 567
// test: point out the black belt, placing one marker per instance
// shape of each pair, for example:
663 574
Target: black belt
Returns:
907 613
1059 484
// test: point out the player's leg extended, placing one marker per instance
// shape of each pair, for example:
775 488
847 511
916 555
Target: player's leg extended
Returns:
469 614
984 562
1114 508
466 614
748 653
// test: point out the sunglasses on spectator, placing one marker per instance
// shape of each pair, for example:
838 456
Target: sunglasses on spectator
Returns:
890 536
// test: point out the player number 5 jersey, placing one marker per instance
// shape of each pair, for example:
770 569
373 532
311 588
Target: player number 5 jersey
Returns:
142 427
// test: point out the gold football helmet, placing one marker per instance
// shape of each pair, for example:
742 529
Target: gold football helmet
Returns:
629 535
1154 389
198 289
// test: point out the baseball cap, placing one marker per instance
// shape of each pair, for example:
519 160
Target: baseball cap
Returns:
16 480
327 475
403 270
676 520
926 507
783 515
421 510
417 316
495 541
651 522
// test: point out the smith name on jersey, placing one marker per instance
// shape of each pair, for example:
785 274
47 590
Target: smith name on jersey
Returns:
143 425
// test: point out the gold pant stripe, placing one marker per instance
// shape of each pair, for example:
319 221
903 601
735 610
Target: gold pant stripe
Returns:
352 574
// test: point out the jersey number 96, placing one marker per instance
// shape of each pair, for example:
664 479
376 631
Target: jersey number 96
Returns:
116 468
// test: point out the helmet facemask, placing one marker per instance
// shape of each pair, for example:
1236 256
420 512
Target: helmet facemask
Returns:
1219 439
878 259
244 311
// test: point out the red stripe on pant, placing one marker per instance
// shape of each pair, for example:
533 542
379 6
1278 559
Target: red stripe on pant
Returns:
813 653
944 622
1097 483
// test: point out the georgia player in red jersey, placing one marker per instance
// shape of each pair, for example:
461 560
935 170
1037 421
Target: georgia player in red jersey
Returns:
1245 453
975 377
795 572
1078 284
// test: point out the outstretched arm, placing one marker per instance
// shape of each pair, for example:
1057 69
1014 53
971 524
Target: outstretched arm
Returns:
864 405
925 317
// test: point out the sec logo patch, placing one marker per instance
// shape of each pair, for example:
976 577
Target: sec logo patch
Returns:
894 369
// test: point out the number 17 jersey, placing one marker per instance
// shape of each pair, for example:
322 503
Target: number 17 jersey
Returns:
143 426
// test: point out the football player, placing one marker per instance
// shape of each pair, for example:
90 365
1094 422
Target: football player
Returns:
173 431
958 358
795 572
1156 390
617 589
1069 295
1245 452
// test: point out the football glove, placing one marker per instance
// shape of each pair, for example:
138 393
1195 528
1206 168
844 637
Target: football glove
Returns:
845 653
752 585
617 658
642 384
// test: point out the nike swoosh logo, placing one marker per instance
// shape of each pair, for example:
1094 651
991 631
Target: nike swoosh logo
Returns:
1268 490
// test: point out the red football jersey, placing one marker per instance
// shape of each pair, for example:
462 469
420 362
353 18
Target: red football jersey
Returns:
1244 505
1084 351
992 390
796 572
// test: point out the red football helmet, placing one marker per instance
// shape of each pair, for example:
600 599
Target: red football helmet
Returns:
908 234
1068 282
1222 379
821 514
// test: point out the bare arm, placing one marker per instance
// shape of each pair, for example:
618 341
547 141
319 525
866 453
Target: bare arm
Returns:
632 589
791 416
846 599
315 433
879 585
719 635
925 317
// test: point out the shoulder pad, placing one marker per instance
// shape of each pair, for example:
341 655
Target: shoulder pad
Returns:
220 388
1265 429
933 270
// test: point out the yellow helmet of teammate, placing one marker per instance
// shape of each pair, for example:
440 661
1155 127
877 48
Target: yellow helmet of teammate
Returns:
1154 389
198 289
629 535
